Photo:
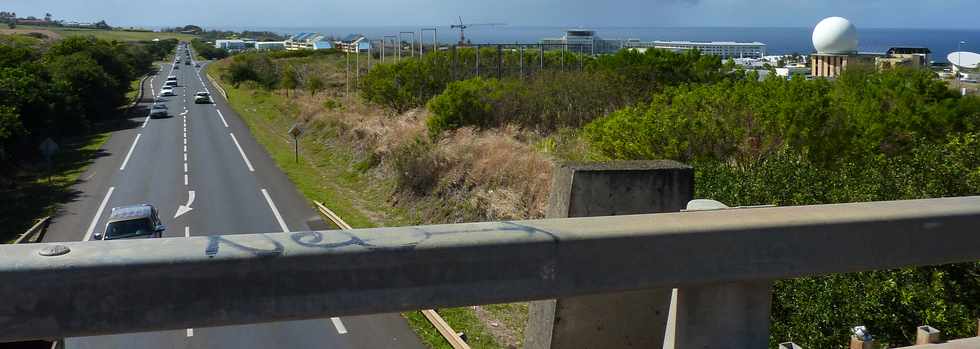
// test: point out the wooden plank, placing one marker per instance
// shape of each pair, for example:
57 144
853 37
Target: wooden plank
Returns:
444 329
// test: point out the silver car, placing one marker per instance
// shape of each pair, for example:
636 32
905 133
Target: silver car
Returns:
132 222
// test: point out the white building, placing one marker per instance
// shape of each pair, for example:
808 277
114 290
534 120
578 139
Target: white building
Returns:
270 45
303 41
725 49
234 44
583 41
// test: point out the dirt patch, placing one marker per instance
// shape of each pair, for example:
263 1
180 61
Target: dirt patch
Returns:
46 35
498 328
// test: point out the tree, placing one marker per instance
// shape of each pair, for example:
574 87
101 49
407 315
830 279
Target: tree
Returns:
102 25
289 80
314 84
47 17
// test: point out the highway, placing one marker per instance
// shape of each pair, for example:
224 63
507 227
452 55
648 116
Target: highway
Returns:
205 173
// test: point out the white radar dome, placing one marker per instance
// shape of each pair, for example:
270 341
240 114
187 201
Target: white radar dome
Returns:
835 35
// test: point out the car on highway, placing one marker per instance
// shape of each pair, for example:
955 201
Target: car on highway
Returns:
197 65
132 222
187 63
177 66
170 83
158 111
167 91
202 98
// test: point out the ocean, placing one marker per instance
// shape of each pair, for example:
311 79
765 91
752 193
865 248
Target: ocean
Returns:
778 40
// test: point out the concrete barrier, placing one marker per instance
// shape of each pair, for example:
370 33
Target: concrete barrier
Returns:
53 290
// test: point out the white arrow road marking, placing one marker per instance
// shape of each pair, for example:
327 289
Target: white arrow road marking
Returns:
184 113
98 213
182 209
126 160
339 325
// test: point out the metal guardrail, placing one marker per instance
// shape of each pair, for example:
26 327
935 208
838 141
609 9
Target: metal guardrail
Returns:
36 232
90 288
434 318
217 86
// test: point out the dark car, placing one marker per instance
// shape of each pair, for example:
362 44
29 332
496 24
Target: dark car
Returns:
132 222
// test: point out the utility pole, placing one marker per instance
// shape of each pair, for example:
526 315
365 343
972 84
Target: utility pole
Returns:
347 76
477 60
522 62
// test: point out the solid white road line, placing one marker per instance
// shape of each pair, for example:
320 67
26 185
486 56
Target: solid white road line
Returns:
147 121
275 211
185 179
339 325
222 117
247 163
187 234
95 220
131 148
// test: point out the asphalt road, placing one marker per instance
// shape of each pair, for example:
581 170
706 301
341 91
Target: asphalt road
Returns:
203 157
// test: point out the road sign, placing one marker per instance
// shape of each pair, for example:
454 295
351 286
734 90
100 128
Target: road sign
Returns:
48 148
295 131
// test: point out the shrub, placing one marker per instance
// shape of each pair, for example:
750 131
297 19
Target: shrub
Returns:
463 103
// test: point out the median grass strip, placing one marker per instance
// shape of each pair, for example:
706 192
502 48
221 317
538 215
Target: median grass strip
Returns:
328 174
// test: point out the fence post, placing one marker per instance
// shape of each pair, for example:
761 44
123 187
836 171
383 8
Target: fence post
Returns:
522 62
500 61
635 319
541 68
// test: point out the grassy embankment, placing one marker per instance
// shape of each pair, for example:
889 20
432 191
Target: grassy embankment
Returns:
119 34
36 190
332 172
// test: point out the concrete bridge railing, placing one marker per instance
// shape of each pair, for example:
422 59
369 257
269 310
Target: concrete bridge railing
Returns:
616 270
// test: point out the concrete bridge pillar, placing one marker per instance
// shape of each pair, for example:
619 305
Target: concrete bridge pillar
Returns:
635 319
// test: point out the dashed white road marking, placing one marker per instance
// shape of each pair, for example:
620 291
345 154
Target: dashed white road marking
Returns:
185 179
98 213
185 141
185 134
185 148
131 148
247 163
275 211
187 234
339 325
185 167
222 117
185 157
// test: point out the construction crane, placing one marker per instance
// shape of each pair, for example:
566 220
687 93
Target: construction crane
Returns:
462 28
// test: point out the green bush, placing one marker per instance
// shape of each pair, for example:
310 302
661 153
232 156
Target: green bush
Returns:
817 312
463 103
861 113
255 67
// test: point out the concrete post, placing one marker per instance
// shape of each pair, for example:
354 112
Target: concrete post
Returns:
720 315
634 319
730 315
926 335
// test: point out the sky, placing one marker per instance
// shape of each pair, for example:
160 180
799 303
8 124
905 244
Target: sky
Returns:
937 14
